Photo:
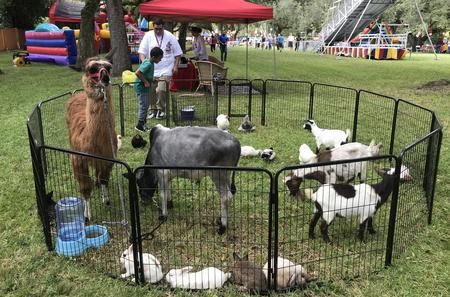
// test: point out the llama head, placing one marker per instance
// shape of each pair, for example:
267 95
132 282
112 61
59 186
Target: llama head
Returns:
97 73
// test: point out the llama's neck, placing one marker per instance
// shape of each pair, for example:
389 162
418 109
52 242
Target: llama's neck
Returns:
100 116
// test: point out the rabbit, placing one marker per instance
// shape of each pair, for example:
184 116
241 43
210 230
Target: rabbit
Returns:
152 267
268 154
289 274
222 122
208 278
246 125
119 141
248 274
247 150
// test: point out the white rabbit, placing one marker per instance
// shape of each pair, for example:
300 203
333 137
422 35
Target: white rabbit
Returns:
119 141
247 150
223 122
288 273
152 267
208 278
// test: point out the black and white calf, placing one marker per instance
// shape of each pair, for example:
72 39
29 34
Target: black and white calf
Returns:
344 200
189 147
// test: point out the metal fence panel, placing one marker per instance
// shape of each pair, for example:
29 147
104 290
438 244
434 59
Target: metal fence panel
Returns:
333 107
415 198
286 103
413 122
347 256
189 236
115 215
376 116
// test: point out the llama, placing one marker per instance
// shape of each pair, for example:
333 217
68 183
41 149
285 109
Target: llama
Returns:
90 119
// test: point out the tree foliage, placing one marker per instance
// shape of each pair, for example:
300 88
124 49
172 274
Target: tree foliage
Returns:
22 14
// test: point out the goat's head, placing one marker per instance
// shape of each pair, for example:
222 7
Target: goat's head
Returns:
374 149
147 181
293 183
97 72
309 124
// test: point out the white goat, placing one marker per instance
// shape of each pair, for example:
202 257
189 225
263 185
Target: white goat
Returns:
346 171
330 138
288 273
363 200
222 122
404 173
208 278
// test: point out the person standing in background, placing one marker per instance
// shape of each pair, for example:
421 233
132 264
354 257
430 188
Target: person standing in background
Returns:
280 42
223 41
165 69
198 44
213 42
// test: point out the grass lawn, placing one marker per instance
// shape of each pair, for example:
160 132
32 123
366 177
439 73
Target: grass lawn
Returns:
27 269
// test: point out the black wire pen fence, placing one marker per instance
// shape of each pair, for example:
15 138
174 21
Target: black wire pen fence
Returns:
265 219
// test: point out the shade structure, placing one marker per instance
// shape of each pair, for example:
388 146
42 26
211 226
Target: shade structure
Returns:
66 11
207 11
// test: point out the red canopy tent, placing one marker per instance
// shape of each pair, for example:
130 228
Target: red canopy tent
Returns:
207 11
201 11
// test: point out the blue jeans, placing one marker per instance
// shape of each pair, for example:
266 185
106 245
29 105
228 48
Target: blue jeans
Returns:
144 102
223 52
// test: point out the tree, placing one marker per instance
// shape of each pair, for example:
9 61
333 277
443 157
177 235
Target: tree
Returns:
22 14
119 41
86 48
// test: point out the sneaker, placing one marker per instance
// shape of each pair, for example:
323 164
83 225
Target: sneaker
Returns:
161 114
152 115
141 128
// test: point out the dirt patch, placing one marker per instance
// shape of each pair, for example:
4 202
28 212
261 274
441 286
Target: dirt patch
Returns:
436 85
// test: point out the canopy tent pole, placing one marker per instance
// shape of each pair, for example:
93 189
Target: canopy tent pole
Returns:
426 30
274 73
246 52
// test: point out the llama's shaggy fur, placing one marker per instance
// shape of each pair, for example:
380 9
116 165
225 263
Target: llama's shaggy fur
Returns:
90 119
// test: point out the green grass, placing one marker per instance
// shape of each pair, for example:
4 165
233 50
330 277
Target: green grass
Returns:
27 269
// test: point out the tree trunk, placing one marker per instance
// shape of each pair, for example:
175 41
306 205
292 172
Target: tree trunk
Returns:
86 48
182 32
119 41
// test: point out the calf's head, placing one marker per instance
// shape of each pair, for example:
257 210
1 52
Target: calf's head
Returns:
147 182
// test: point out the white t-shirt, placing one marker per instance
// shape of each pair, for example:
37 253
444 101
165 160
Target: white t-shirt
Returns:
170 46
199 48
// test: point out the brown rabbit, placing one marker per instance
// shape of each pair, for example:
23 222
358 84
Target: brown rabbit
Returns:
249 275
